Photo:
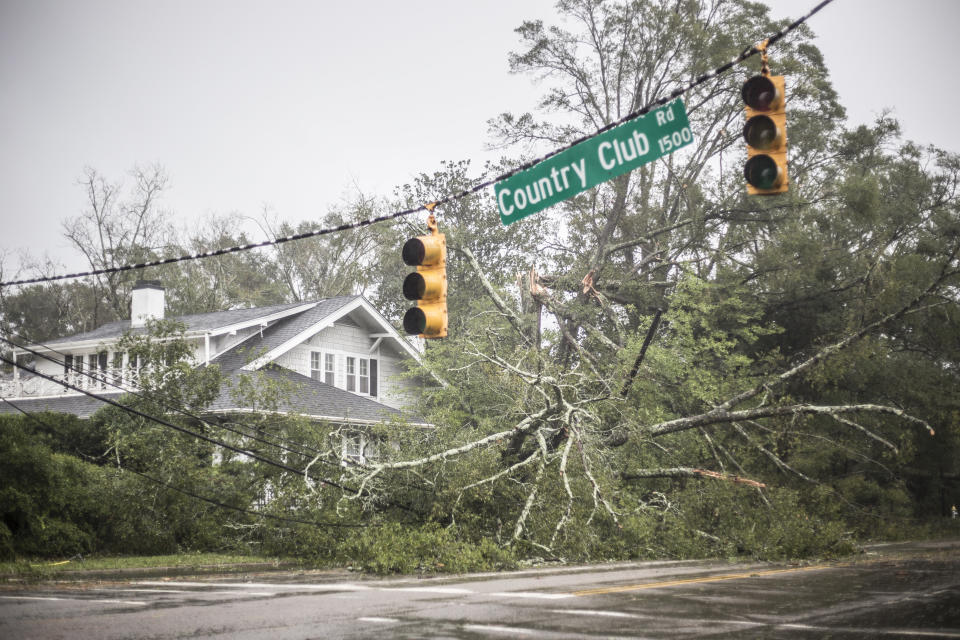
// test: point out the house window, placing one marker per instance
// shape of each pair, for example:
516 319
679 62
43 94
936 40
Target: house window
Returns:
118 367
351 373
91 377
358 449
323 367
68 368
353 448
102 359
329 372
364 376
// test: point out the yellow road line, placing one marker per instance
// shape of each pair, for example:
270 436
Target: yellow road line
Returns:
51 564
672 583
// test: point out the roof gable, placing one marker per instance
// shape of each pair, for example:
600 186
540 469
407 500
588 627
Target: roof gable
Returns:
296 331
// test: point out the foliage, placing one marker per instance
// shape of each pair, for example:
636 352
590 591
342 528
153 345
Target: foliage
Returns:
395 548
660 366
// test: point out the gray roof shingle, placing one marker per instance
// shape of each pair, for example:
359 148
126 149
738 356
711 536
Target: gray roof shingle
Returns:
194 322
278 333
82 406
309 397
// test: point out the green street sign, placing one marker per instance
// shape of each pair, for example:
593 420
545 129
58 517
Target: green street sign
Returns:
608 155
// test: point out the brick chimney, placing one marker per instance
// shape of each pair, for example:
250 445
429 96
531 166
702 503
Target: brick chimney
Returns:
146 302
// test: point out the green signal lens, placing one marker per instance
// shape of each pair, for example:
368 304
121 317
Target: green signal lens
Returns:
759 93
761 132
414 321
762 172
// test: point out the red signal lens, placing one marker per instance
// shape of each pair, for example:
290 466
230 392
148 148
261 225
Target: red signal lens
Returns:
760 93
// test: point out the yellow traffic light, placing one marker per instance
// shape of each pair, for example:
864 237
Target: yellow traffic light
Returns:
766 135
428 284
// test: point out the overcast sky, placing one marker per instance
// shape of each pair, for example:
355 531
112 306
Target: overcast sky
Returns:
294 105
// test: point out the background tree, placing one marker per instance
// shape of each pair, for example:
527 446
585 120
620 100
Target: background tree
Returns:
693 334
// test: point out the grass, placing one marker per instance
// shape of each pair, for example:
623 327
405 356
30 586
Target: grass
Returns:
105 563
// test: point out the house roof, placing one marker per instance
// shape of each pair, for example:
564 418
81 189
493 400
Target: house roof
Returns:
278 333
81 406
300 395
195 323
306 396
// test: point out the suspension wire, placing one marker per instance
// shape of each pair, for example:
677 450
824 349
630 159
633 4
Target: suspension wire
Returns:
200 436
34 418
146 396
676 93
141 393
184 430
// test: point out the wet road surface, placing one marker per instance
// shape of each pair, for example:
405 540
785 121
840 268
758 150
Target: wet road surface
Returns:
894 591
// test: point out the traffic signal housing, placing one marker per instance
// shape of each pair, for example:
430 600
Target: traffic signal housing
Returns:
766 135
427 285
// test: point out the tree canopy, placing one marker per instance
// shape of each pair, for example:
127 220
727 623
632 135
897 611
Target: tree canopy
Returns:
661 364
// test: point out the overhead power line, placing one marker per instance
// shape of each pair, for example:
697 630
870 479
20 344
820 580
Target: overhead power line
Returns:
184 430
139 392
217 503
676 93
175 427
304 450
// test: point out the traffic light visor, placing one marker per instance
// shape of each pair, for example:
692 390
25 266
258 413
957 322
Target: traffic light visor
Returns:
761 94
762 172
424 250
761 132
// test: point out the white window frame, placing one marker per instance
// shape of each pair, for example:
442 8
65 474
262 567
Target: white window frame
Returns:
340 376
330 374
356 447
363 376
350 374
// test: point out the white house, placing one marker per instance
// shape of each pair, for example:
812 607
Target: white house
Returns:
342 356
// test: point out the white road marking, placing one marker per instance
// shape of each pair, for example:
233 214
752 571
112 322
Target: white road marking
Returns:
497 629
142 590
530 594
449 590
588 612
376 619
872 632
337 586
137 602
158 591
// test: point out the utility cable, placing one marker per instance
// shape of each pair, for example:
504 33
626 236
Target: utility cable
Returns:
143 395
676 93
212 501
305 450
161 421
229 447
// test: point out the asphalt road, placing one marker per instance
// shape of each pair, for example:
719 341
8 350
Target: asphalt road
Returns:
893 591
